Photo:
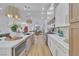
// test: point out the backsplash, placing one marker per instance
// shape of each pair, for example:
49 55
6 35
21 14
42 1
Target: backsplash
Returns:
65 30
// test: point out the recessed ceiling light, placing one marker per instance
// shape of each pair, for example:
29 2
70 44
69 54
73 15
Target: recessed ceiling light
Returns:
42 8
51 8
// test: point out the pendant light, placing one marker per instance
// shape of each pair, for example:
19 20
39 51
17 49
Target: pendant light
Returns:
12 12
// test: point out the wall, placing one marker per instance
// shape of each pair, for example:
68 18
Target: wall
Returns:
62 14
62 19
4 21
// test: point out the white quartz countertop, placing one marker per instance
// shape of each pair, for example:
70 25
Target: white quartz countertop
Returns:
60 40
10 44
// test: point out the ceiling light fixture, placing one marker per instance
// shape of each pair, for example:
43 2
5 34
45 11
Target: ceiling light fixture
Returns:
42 8
51 8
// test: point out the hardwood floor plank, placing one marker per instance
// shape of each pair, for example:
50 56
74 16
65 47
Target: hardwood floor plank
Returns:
39 48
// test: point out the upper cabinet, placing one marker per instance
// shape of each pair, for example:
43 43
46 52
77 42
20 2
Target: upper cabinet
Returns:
74 12
62 15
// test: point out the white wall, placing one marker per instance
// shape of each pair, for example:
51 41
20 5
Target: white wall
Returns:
4 21
62 13
62 19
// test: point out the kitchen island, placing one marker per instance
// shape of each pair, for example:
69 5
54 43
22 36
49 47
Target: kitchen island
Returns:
16 47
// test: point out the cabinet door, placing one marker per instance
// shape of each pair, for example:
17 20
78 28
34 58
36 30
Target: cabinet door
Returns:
74 39
74 30
74 12
49 42
60 51
53 48
51 45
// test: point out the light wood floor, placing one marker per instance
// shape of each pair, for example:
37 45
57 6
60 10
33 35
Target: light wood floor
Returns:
39 48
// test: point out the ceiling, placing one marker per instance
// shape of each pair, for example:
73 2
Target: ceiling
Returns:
29 10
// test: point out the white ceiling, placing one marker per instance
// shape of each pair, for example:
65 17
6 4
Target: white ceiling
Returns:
33 10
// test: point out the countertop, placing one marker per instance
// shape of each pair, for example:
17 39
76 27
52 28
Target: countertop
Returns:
11 44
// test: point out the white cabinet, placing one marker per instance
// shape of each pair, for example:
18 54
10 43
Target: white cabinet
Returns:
57 46
51 45
60 51
53 48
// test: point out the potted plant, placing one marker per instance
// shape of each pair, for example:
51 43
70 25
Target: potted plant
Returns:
14 27
14 33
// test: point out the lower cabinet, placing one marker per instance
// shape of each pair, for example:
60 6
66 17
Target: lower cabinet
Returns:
51 46
60 51
56 48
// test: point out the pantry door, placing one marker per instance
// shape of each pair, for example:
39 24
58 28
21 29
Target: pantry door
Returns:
74 29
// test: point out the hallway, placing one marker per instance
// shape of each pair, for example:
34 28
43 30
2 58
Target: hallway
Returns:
39 48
